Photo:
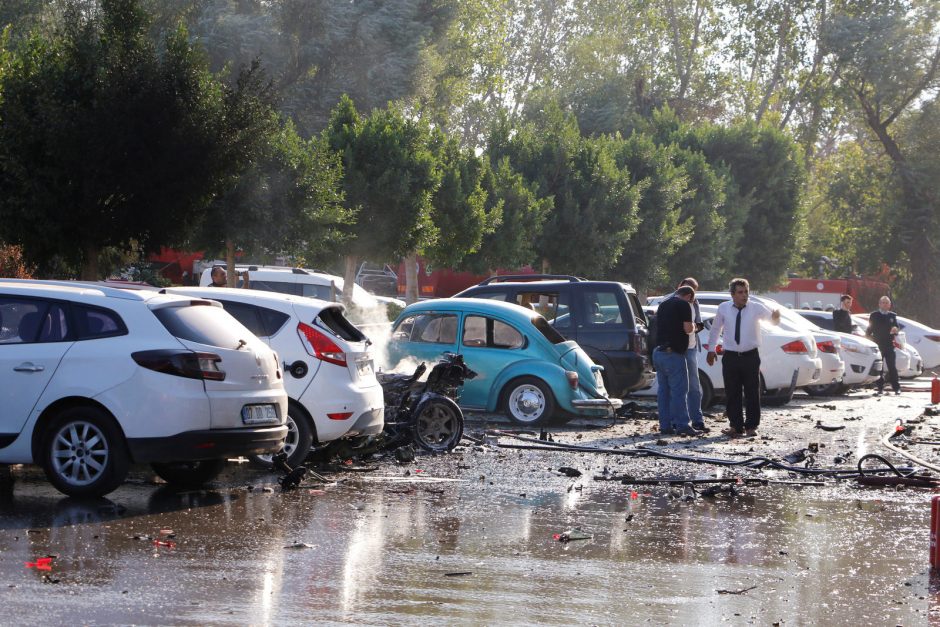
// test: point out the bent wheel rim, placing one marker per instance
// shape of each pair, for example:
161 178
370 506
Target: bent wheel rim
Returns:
290 442
80 453
527 403
437 426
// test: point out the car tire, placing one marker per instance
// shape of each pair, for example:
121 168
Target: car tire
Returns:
528 401
439 427
774 398
708 390
84 453
299 441
830 389
189 474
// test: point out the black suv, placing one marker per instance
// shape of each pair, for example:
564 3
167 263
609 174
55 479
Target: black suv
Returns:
604 317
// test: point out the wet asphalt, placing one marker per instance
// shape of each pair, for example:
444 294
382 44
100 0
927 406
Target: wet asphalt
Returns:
470 537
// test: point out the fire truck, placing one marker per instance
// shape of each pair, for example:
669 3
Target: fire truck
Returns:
825 293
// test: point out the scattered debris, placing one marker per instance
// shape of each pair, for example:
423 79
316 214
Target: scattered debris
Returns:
41 563
300 545
569 472
292 476
820 425
459 573
572 535
742 591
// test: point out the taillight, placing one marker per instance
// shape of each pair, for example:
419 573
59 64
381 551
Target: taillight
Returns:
181 363
796 346
933 338
718 348
826 346
345 415
572 377
318 345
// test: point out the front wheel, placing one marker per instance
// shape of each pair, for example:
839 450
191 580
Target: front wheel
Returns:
189 474
438 427
528 401
84 453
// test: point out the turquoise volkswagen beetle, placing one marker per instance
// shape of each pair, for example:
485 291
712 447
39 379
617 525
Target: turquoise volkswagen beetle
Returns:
524 366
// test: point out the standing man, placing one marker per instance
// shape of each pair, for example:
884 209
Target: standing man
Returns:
220 277
842 317
673 326
883 328
740 362
691 361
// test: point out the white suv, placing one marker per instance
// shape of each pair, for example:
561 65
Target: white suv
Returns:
329 373
94 378
367 308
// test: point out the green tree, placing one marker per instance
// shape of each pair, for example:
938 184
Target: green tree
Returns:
102 139
889 55
390 175
594 208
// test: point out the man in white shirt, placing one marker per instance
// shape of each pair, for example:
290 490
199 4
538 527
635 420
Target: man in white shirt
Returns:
740 361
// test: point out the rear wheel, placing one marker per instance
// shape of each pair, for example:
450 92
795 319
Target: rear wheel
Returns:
84 453
774 398
438 427
298 442
528 400
189 474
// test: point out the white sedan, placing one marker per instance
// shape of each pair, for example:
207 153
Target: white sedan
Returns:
789 360
861 356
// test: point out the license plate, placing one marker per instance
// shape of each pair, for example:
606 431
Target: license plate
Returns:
259 414
598 379
364 368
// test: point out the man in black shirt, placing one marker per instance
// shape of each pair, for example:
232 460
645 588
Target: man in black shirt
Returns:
842 317
883 328
673 328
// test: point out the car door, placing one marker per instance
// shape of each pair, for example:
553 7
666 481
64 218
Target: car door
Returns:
602 330
423 337
489 346
34 336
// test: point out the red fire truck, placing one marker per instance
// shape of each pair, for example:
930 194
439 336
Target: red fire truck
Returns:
444 283
824 293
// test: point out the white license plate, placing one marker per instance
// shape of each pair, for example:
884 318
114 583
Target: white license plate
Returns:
364 368
259 414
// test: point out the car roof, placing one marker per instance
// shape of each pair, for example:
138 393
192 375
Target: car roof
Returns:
549 282
481 305
65 289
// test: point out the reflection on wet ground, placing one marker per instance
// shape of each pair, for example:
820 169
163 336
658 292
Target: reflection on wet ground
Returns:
410 551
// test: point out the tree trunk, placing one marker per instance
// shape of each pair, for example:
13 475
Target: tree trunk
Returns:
411 278
546 268
90 263
232 276
349 279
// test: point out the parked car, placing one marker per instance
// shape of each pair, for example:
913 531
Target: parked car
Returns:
925 339
95 378
604 317
788 361
861 356
367 308
828 344
524 367
329 371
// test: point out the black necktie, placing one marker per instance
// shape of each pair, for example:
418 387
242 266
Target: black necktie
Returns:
737 328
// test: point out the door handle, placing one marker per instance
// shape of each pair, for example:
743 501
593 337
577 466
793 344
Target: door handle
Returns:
28 367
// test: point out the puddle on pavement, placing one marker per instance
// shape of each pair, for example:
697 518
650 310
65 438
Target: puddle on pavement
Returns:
398 553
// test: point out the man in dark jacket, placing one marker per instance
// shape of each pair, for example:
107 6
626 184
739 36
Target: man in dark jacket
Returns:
842 317
883 329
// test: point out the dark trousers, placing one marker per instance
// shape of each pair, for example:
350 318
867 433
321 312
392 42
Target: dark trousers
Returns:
889 364
742 388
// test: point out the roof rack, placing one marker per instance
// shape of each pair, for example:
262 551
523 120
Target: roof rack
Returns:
532 277
107 288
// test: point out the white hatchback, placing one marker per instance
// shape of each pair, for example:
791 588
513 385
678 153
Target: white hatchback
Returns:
95 378
329 371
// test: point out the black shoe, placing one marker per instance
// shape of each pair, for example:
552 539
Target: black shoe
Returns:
689 431
897 392
878 392
667 432
701 428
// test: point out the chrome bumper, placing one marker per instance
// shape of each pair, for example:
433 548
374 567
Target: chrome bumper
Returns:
598 403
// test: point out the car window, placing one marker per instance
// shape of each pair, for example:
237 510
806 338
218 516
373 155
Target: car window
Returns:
333 319
282 287
433 328
547 330
499 295
601 308
638 311
488 332
24 321
323 292
821 321
553 306
272 320
246 314
95 322
203 324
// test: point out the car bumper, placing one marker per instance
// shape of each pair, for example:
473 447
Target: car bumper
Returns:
366 407
591 403
208 444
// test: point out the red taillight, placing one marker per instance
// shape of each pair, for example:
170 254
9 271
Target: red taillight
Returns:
718 348
826 346
572 377
933 338
796 346
318 345
340 415
181 363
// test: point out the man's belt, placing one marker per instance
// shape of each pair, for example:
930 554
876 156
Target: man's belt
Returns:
740 353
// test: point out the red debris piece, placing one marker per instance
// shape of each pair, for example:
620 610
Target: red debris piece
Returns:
634 496
167 543
42 563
